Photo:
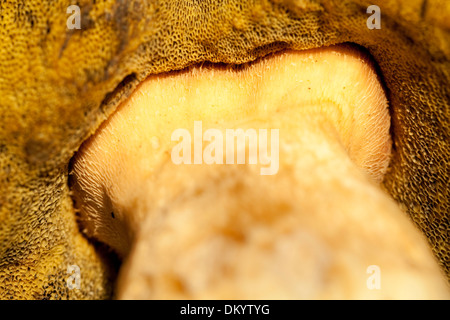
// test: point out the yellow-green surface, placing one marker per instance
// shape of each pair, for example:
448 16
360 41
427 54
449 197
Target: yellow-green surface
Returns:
57 85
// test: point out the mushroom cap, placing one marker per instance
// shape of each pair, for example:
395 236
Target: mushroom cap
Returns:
58 85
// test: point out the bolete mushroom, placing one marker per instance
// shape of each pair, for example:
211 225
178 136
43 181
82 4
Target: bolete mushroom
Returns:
58 85
309 228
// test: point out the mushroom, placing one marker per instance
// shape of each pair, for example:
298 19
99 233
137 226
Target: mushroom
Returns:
58 85
224 231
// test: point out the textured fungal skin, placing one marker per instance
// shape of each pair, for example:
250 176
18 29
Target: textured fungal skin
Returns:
57 86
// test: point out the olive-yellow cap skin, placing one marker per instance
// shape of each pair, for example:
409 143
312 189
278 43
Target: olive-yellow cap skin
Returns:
58 85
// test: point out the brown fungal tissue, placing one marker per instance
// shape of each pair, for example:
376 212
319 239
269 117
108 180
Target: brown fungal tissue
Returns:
362 175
